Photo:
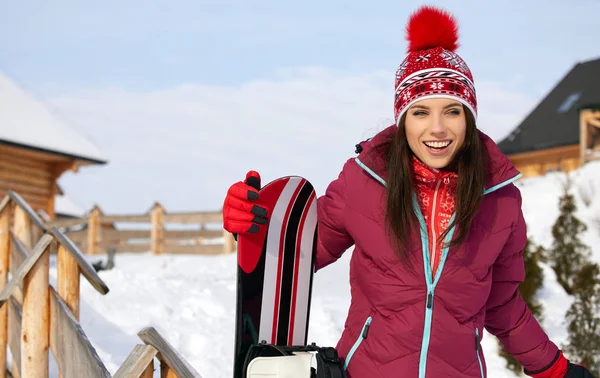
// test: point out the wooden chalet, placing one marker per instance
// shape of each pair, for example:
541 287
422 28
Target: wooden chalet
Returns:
36 148
563 131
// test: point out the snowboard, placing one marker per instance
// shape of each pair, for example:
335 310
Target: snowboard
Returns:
275 269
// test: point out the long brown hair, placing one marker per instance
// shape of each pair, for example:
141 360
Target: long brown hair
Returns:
468 163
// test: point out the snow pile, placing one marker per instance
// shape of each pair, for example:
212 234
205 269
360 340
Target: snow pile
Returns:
190 300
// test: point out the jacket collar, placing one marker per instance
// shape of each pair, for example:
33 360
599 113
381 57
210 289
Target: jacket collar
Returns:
499 169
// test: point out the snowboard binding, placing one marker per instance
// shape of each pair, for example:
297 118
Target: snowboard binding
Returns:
269 360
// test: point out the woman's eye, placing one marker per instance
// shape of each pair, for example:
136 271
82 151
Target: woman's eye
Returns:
418 113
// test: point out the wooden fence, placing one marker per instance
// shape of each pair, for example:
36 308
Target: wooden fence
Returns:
36 319
101 233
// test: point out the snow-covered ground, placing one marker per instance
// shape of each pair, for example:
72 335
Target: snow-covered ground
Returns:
190 300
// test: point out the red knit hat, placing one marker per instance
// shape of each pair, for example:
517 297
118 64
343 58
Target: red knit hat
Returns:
432 68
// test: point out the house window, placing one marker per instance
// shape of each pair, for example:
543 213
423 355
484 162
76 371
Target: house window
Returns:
569 101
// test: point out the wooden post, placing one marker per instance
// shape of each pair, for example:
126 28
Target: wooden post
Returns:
35 323
23 227
149 372
228 242
157 231
22 230
93 231
5 220
583 135
166 371
68 280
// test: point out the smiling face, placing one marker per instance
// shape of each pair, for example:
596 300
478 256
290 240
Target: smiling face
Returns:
435 130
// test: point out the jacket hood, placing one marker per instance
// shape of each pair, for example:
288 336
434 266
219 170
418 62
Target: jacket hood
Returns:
498 166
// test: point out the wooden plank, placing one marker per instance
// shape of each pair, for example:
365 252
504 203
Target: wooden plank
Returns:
14 334
145 234
75 355
167 353
41 191
65 223
130 248
34 167
136 363
192 234
22 178
42 157
194 217
26 267
125 234
18 255
195 249
86 268
125 218
554 153
28 210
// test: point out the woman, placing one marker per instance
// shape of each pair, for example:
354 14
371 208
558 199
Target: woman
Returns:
431 209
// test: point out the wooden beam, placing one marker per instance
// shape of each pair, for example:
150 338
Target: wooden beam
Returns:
84 266
168 354
554 152
15 317
27 209
75 355
137 362
594 122
195 217
25 153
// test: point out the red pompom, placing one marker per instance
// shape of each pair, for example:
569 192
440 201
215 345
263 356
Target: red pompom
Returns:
430 27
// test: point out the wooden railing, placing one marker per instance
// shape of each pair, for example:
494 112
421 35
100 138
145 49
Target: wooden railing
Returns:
36 318
103 233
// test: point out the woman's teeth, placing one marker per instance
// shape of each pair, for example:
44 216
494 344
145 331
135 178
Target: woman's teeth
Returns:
437 144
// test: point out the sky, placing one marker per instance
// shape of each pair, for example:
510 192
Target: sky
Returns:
184 97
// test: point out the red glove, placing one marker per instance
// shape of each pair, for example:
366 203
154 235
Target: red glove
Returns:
558 369
240 213
562 368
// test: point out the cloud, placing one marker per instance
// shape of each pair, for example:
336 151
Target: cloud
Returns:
184 146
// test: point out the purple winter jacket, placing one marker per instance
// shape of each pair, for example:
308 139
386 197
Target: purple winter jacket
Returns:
402 322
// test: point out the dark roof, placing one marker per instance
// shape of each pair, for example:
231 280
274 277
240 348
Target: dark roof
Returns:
554 121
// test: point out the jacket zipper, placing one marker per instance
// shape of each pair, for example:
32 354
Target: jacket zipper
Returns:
359 340
477 350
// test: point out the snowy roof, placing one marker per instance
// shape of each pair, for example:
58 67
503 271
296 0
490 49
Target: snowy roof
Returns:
64 206
26 121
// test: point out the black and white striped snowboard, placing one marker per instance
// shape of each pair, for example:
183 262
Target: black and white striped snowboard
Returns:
275 270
